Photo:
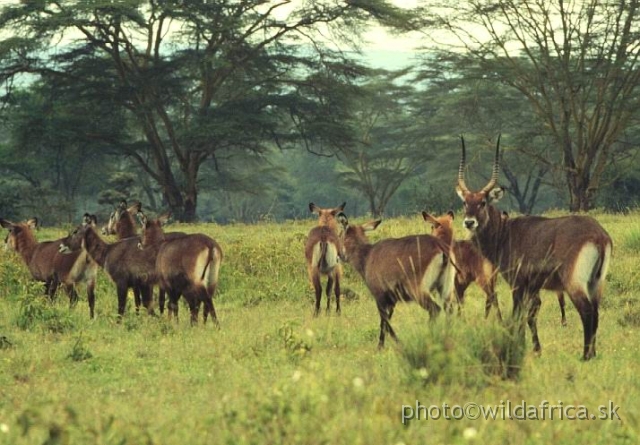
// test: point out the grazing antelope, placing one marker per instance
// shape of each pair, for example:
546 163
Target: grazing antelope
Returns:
402 269
471 266
322 252
188 265
566 254
46 264
125 264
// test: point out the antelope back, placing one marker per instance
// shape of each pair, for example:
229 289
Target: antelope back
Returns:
189 261
408 267
323 248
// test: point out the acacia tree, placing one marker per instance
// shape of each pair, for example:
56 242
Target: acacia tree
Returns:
388 147
198 80
47 151
575 62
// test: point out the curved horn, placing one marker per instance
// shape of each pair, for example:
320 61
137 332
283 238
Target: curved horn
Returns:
461 185
496 169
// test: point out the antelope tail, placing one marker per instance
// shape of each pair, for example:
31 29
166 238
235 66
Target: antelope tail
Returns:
323 264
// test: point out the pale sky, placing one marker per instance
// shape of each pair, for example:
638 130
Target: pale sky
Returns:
381 48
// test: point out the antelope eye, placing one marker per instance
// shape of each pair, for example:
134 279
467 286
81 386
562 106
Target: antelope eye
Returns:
483 204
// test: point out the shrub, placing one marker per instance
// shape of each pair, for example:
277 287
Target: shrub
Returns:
453 352
79 351
500 348
36 310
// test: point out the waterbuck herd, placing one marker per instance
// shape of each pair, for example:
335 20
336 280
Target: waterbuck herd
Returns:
569 255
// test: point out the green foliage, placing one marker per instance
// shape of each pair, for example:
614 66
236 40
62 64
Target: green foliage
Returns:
471 353
500 349
632 240
38 312
295 346
79 352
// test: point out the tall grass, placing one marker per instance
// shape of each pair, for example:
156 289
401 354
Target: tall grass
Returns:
275 374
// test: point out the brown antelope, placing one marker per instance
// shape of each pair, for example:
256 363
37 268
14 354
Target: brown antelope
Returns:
471 266
89 219
121 221
122 224
125 264
162 219
188 265
49 266
322 251
566 254
402 269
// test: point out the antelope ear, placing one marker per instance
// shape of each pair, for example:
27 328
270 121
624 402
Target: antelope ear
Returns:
342 219
32 223
451 215
313 208
430 219
495 195
342 206
6 224
371 225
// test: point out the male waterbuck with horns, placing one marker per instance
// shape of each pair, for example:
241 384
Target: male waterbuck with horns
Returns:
566 254
322 252
403 269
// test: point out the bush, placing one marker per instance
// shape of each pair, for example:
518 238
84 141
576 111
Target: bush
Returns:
500 349
453 352
37 310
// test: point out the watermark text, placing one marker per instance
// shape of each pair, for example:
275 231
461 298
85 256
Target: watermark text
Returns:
507 410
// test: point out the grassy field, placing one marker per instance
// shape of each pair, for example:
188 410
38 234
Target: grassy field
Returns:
275 374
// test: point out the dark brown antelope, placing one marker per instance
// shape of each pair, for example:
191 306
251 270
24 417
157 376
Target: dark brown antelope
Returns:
188 265
122 224
123 261
567 254
161 220
471 266
322 252
89 219
48 266
402 269
121 221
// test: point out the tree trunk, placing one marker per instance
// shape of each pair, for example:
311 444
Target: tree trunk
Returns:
582 195
190 205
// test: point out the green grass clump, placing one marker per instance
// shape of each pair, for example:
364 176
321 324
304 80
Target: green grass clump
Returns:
632 239
38 311
456 352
